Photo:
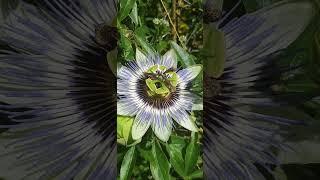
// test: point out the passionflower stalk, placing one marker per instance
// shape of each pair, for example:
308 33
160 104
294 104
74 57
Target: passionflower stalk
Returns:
154 91
238 133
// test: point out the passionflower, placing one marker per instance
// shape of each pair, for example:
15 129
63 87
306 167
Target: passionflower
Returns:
240 134
57 91
154 91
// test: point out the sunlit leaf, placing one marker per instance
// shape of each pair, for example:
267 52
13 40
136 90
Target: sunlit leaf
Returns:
124 125
134 14
185 58
145 46
126 6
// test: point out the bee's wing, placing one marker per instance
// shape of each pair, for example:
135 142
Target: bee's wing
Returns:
266 31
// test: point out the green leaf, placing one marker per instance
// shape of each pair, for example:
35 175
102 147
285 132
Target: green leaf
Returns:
124 124
128 164
145 46
178 142
112 58
198 104
214 52
176 159
120 156
142 31
146 154
186 59
197 174
161 46
160 166
126 46
192 153
134 14
125 8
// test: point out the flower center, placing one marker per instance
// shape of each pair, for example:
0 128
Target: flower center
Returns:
161 81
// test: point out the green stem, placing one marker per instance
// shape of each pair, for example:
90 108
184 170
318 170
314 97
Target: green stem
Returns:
172 24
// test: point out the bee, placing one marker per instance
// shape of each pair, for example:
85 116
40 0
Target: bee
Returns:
164 77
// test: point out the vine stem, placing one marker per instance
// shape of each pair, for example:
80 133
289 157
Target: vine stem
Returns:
174 19
172 24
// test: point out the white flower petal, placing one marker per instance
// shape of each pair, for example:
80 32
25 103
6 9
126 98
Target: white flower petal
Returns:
188 74
162 126
169 59
126 73
143 61
140 56
126 108
141 124
182 118
185 100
